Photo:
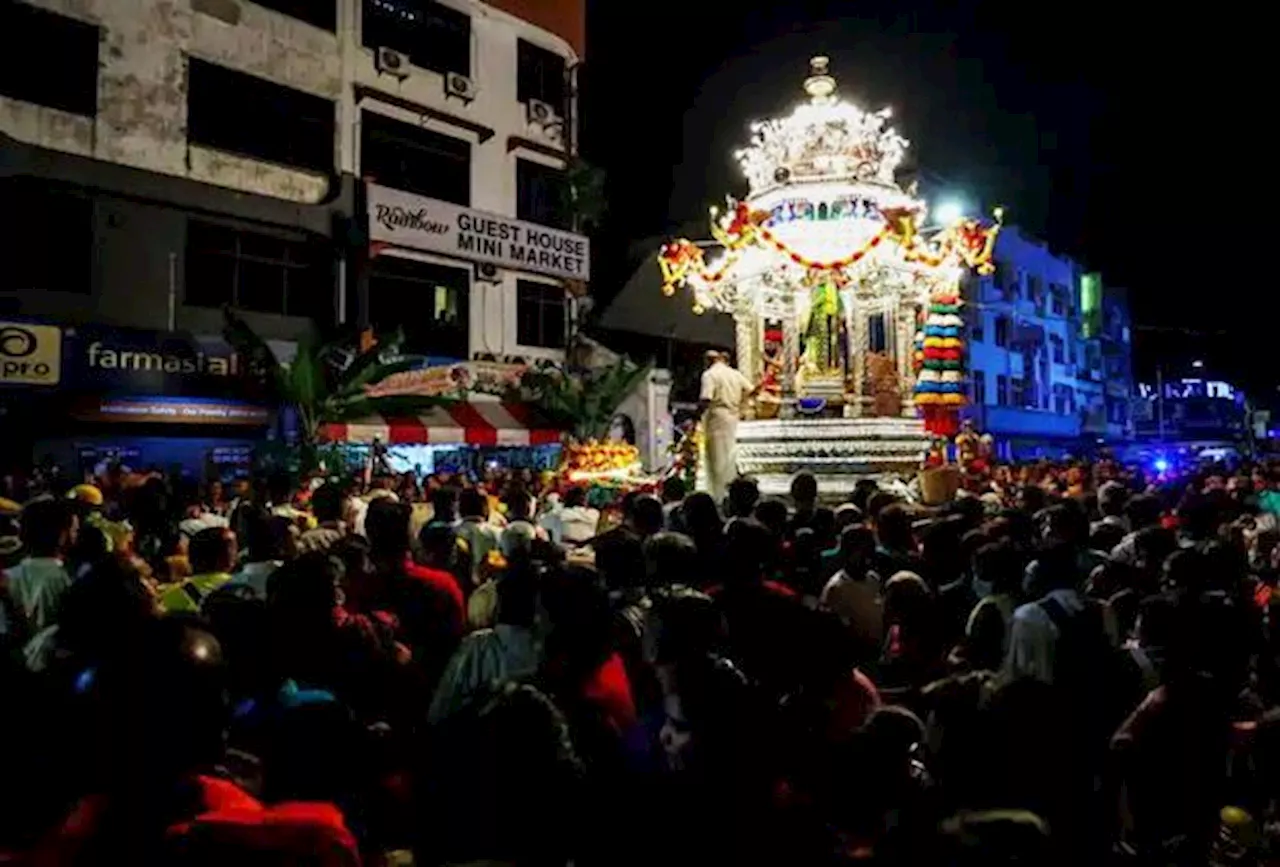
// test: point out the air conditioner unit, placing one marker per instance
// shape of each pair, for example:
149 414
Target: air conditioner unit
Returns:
392 62
457 84
487 272
541 113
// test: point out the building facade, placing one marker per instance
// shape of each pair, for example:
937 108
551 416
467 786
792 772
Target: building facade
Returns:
172 158
1049 348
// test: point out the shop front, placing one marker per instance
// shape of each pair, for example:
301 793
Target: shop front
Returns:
84 394
479 430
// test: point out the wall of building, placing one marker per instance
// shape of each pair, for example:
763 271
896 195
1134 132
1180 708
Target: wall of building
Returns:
146 179
1032 330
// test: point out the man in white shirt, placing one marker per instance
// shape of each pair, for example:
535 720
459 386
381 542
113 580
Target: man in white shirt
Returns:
723 393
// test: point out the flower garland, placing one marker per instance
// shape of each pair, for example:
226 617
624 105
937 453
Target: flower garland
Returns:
939 362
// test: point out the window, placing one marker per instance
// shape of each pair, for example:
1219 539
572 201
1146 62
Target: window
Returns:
1002 331
415 160
321 13
246 115
435 36
541 315
979 387
540 74
540 194
1002 390
48 59
1063 399
1059 296
977 331
48 242
1035 292
1007 279
877 333
258 272
1059 349
430 302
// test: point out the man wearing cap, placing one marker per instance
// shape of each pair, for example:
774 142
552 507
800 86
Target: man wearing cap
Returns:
724 390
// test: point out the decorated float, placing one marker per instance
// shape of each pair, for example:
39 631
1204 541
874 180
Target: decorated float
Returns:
846 298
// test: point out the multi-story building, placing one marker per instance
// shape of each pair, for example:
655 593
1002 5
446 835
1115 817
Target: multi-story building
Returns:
1049 352
313 163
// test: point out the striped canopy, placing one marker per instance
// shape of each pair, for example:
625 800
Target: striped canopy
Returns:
476 423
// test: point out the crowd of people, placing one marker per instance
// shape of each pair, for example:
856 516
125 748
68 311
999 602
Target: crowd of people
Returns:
1072 665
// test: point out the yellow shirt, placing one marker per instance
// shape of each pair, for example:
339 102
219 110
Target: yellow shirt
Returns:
188 595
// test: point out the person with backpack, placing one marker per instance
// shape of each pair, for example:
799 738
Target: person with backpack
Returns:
1056 638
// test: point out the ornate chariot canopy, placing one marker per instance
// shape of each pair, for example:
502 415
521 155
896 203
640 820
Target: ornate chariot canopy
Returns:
823 204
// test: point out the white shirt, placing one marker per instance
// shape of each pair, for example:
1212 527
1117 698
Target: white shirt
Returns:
1032 636
857 603
723 387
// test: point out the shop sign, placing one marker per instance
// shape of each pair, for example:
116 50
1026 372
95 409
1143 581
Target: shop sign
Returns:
432 226
450 380
152 362
30 354
160 410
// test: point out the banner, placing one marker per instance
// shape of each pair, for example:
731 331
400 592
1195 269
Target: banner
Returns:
451 380
418 223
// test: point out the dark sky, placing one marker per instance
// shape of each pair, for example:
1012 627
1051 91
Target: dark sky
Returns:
1098 128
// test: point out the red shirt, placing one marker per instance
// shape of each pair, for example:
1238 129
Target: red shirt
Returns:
610 689
773 588
440 580
228 823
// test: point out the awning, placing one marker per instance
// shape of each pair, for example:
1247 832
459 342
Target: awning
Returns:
476 423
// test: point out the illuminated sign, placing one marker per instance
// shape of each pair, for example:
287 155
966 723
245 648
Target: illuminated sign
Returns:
418 223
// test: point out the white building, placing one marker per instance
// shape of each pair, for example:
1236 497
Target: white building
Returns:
260 118
1030 369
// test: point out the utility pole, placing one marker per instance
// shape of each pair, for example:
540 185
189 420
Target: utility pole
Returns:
1160 402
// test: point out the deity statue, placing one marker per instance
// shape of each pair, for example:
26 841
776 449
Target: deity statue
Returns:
824 331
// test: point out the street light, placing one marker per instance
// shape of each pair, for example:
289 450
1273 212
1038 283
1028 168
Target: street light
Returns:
948 212
1197 364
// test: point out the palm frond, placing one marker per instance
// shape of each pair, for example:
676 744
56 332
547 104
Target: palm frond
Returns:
249 345
384 350
403 406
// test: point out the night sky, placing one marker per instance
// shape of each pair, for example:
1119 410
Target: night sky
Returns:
1091 124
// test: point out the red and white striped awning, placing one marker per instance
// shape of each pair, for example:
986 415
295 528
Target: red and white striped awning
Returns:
477 423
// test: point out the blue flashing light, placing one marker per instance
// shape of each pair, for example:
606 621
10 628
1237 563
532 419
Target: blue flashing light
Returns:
1161 465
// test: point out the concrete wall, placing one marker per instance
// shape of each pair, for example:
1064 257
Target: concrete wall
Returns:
141 124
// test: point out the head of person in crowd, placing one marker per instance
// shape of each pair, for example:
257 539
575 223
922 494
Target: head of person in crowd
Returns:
1113 497
1031 499
846 515
644 515
213 550
48 528
438 546
772 512
701 517
750 552
1105 536
1142 510
1065 522
744 493
473 505
444 505
804 491
894 530
673 489
857 544
171 669
670 558
575 497
328 503
268 538
877 502
997 569
387 528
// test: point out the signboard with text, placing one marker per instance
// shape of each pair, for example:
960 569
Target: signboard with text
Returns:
432 226
30 354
